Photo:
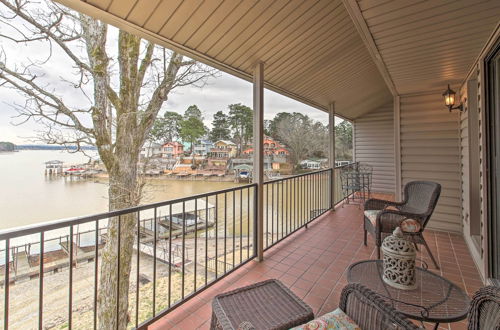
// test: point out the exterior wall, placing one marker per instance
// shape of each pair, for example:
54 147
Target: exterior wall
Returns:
430 150
472 218
374 140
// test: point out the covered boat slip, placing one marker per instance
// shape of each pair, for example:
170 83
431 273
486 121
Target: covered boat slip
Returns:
197 214
381 64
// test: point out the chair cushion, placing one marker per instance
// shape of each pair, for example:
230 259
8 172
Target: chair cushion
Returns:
333 320
410 226
372 215
407 225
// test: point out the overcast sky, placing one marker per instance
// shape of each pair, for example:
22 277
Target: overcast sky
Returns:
216 95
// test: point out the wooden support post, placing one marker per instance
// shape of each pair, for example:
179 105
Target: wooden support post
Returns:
331 149
397 147
258 153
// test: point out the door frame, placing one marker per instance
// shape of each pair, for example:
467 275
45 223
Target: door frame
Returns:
491 69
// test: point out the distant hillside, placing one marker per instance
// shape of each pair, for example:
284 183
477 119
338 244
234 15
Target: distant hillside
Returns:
7 146
50 147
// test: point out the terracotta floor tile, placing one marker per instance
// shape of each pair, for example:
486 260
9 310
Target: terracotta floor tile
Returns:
313 263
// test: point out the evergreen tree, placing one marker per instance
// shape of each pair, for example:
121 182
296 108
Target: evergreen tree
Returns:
166 129
220 127
191 127
241 122
193 112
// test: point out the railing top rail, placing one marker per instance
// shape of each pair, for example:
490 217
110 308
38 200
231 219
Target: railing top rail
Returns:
299 175
57 224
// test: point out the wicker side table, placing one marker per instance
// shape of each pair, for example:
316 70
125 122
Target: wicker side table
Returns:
265 305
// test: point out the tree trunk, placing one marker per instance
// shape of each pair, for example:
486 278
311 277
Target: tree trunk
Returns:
116 256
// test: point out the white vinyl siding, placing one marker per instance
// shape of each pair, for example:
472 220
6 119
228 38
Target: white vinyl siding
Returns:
374 141
430 150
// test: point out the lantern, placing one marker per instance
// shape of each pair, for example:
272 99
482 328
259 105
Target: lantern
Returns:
449 99
399 261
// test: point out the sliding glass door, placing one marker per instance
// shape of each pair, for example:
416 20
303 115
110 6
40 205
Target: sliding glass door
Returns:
493 162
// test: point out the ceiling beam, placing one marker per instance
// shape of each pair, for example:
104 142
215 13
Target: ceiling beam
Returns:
352 8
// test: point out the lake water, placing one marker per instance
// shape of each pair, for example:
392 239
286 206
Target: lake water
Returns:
28 196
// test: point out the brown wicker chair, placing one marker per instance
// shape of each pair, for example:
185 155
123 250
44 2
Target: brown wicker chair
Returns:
369 311
484 312
420 199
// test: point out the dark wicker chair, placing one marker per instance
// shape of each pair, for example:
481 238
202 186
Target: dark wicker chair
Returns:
369 311
484 312
420 199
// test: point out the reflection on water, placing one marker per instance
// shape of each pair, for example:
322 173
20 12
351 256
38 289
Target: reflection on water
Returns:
28 196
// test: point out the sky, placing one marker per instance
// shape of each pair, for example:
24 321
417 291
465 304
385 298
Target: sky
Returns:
215 95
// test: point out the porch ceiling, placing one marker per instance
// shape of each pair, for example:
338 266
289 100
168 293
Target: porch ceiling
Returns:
311 49
426 44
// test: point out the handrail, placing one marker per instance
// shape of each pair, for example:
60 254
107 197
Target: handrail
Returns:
56 224
291 203
298 175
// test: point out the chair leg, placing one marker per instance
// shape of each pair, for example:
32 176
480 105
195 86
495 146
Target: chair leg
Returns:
365 241
429 252
378 252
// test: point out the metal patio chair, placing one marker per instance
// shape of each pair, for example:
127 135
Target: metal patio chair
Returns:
381 217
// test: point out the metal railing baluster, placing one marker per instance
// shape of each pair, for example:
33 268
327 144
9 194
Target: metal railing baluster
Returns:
234 227
225 232
138 264
6 284
183 272
207 219
248 223
272 213
118 274
170 257
216 257
40 285
155 239
96 269
241 226
195 241
70 290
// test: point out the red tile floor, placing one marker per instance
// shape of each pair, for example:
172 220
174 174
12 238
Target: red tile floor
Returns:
313 263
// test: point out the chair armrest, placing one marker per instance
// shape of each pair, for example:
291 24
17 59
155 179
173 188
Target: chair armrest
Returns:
370 311
246 326
379 204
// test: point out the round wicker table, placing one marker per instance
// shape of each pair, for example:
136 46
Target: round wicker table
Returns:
434 300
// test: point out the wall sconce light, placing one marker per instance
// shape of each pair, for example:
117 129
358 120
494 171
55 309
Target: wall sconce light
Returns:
449 100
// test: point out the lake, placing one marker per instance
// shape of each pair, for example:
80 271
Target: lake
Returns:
28 196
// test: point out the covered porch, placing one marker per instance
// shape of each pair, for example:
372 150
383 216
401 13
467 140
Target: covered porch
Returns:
382 66
313 263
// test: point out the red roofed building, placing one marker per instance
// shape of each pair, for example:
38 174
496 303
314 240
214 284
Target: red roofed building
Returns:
172 150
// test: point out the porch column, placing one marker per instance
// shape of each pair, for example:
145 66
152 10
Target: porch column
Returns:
331 149
397 146
258 153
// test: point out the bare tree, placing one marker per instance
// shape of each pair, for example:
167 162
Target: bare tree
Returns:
124 97
295 131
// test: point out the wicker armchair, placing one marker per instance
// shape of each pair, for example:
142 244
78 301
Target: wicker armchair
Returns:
420 199
484 312
369 311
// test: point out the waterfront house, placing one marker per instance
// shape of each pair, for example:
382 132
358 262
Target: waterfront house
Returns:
383 65
172 150
224 149
151 149
203 147
275 155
